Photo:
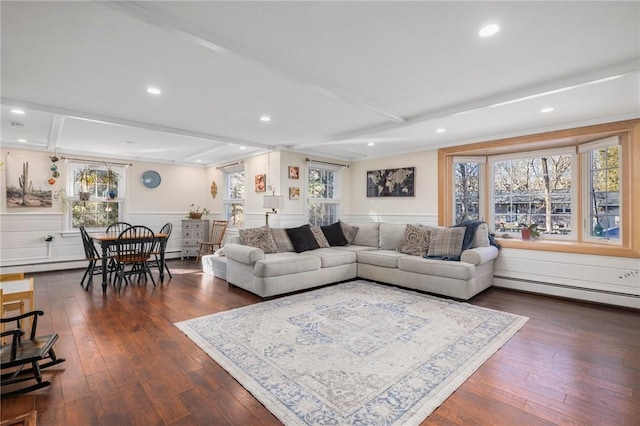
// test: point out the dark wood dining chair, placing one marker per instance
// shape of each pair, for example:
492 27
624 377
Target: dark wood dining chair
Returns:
94 267
160 249
20 352
133 249
218 229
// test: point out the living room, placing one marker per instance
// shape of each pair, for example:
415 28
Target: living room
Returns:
206 121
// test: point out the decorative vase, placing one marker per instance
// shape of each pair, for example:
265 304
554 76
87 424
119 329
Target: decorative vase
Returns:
526 233
84 195
111 194
194 215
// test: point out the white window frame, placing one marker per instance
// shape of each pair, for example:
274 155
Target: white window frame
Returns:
337 188
493 159
482 187
585 151
72 186
227 199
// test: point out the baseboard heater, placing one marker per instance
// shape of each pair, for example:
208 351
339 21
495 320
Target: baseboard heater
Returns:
571 287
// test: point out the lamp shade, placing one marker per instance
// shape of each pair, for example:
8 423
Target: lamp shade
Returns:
273 202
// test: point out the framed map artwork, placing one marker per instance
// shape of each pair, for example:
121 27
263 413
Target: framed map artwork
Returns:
391 182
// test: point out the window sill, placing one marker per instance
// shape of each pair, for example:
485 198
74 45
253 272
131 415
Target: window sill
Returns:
568 247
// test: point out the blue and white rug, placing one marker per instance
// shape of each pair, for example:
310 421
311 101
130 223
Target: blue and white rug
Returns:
357 353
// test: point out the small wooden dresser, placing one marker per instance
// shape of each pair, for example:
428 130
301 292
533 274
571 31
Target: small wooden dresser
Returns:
194 231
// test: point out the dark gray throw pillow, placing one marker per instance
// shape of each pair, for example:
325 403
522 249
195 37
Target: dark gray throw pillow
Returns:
302 238
334 234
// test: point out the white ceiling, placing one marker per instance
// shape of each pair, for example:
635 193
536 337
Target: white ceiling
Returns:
333 76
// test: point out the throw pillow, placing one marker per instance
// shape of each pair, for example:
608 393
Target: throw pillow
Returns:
334 234
282 240
302 238
415 240
319 236
258 237
446 242
348 231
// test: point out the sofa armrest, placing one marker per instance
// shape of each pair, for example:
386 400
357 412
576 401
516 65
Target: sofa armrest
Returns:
243 254
479 255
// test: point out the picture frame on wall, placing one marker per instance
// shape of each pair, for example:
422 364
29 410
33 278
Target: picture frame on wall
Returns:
261 182
294 193
398 182
294 172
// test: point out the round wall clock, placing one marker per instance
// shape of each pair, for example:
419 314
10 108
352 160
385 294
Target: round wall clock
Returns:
150 179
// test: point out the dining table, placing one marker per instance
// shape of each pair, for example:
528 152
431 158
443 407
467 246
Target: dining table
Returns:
110 239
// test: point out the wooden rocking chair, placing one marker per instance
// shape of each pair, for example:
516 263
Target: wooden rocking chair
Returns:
215 239
19 353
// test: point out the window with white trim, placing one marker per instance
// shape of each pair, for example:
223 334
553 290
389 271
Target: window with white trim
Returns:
534 188
602 181
234 184
468 179
95 194
323 194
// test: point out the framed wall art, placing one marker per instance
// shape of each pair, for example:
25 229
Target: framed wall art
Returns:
261 183
294 193
391 182
294 172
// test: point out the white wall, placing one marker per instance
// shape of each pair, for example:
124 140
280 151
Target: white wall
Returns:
22 231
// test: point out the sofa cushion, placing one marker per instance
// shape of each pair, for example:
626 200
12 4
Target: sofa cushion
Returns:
302 238
355 248
334 235
349 231
258 237
279 264
385 258
481 238
415 240
419 265
368 234
390 235
446 242
281 239
319 236
331 257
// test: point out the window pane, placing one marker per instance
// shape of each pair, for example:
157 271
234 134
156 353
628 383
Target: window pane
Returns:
533 190
321 183
235 184
467 191
234 213
604 193
94 214
321 214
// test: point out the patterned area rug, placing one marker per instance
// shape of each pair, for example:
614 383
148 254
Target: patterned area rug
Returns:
357 353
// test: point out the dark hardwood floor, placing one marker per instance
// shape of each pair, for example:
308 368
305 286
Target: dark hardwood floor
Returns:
127 364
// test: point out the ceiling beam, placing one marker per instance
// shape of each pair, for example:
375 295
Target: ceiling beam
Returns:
145 12
54 131
80 115
547 88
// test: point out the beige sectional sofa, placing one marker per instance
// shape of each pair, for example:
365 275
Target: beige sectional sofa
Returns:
373 254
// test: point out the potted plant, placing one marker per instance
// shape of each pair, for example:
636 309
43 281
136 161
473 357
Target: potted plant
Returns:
195 212
86 178
112 183
529 232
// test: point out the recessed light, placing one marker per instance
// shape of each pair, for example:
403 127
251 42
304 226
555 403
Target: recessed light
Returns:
22 140
153 90
198 161
547 109
441 130
489 30
243 147
17 111
265 118
371 144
